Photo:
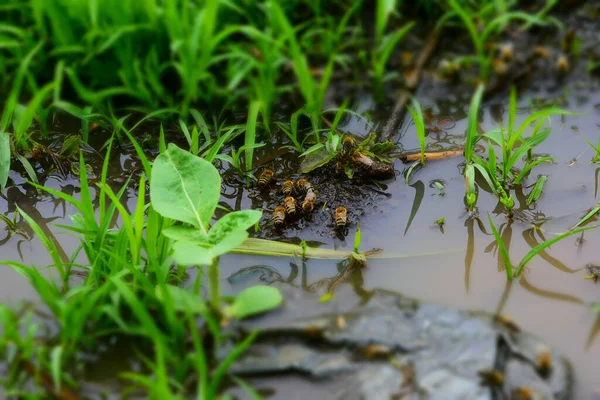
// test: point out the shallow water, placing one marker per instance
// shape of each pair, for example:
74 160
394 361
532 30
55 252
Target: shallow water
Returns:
457 266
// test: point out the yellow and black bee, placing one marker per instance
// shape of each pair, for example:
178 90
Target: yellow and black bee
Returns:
287 188
362 161
341 217
303 186
266 176
371 168
562 64
279 216
523 393
309 201
492 378
543 363
348 148
377 351
290 205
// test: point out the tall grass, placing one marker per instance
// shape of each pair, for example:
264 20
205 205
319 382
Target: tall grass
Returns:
131 289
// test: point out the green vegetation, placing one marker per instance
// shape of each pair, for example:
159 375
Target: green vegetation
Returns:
221 79
131 288
514 145
484 20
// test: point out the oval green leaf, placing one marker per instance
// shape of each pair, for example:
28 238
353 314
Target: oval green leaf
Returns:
184 187
182 300
233 222
185 234
254 300
185 253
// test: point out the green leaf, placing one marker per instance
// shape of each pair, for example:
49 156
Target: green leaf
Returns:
231 230
185 253
182 300
185 234
316 159
55 365
502 249
70 146
4 159
184 187
254 300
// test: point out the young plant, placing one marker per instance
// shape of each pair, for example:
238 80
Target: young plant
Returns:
515 145
187 188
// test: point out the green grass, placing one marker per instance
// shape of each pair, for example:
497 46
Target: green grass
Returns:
484 21
515 144
130 288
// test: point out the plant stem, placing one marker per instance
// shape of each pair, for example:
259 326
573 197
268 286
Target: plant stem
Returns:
213 281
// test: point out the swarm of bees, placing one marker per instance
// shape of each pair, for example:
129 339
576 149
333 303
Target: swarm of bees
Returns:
305 191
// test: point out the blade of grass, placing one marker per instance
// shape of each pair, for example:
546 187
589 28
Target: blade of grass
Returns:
502 250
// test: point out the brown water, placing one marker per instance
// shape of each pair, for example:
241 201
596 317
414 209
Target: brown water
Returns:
460 267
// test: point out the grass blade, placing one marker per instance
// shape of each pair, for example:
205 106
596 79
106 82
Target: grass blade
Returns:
250 136
502 250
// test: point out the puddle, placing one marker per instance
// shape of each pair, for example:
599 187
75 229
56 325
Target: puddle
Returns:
456 266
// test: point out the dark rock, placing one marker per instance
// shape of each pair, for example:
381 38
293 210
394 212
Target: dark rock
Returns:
432 351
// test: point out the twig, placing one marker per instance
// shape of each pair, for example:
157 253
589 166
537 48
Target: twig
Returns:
432 156
414 82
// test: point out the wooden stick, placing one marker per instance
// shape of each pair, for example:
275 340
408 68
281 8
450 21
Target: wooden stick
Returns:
414 82
432 156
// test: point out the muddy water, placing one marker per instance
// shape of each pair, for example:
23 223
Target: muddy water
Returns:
457 266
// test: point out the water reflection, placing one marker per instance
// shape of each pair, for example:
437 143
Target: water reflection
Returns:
552 295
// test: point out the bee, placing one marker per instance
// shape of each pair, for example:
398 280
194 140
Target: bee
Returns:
287 188
523 393
372 168
363 161
290 205
348 147
377 351
506 52
562 64
309 201
543 363
500 67
265 177
341 217
448 69
279 216
303 186
492 378
541 52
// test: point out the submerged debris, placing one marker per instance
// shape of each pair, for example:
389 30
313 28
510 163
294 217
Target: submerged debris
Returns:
365 157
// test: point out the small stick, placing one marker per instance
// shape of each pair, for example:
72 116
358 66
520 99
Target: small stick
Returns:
432 156
414 82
